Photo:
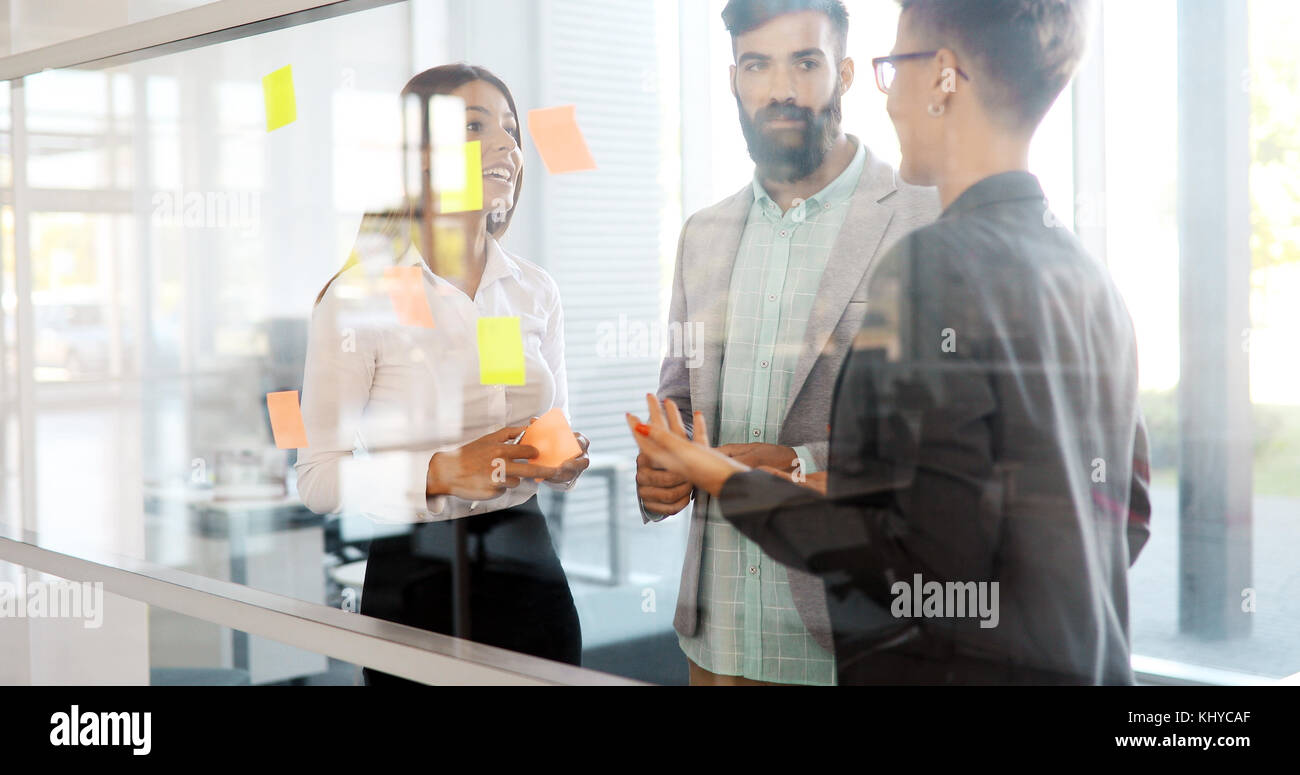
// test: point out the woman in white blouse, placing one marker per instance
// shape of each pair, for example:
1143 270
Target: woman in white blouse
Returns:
401 429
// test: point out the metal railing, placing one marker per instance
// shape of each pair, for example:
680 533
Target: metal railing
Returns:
362 640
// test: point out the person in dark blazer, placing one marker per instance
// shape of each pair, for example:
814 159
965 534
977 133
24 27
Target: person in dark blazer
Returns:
987 483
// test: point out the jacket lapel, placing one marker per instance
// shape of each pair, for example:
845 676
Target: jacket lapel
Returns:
708 285
852 255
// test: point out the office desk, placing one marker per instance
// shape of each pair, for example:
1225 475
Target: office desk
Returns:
270 544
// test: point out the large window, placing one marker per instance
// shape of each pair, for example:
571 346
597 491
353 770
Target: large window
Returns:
161 251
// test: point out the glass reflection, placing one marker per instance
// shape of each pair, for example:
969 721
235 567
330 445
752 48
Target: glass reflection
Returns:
431 354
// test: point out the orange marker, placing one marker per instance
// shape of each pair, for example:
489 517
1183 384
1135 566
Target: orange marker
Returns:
406 290
286 420
559 140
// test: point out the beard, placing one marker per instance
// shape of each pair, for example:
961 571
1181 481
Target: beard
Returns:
781 161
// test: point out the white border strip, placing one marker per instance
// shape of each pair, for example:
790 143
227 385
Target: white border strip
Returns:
183 30
393 648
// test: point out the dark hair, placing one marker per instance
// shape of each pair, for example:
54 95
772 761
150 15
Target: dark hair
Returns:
1027 50
395 224
741 16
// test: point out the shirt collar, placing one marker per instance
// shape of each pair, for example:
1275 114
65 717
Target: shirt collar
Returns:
837 191
499 264
1003 187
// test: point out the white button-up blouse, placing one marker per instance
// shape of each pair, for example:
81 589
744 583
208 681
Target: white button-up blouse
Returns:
379 398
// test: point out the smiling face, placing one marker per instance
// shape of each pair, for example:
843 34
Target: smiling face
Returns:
489 120
787 81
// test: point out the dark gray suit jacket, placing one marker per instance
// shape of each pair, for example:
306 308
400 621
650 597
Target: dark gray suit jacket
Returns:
882 211
985 430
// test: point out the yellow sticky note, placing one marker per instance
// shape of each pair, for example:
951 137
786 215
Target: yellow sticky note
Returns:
281 106
470 198
500 352
559 141
286 420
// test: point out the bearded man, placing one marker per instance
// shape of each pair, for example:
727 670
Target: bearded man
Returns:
774 277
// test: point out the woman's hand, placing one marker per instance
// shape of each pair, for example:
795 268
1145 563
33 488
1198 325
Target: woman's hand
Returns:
570 469
484 468
664 441
815 481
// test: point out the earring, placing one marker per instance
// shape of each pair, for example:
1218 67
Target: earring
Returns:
936 110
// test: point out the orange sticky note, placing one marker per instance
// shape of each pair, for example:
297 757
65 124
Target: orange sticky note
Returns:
286 420
553 438
281 105
558 139
406 291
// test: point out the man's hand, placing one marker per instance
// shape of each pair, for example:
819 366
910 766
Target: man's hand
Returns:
762 455
666 444
662 492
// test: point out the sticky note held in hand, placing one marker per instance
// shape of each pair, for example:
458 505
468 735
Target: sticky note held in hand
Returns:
286 420
558 139
553 438
281 105
500 351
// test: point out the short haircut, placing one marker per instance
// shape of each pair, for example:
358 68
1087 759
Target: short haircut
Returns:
1028 50
741 16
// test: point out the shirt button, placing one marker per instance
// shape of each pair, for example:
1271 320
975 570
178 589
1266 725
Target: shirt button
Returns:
826 206
771 297
753 570
763 364
785 233
757 433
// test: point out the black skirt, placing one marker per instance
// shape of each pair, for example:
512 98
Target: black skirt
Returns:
518 597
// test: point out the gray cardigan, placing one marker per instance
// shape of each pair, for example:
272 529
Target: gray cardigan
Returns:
883 209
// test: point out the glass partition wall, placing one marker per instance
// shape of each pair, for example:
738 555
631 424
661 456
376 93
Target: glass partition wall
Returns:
166 225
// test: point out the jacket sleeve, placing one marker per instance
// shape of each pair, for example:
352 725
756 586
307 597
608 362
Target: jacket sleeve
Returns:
674 372
911 483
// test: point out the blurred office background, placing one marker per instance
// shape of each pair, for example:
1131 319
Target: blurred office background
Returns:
161 252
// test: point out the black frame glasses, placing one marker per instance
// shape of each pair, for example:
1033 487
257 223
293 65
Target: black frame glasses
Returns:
878 64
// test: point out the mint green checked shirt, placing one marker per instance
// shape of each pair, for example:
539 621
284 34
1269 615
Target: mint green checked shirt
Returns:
748 624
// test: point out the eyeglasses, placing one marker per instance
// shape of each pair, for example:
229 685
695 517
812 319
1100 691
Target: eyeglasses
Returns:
886 68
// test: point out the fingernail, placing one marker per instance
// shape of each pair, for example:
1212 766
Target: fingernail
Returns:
643 429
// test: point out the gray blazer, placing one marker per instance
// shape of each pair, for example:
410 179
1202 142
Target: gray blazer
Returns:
883 209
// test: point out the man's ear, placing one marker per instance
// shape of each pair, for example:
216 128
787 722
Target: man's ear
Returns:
734 92
848 71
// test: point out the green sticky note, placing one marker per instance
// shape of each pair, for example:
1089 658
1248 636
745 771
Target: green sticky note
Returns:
469 198
500 352
281 107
